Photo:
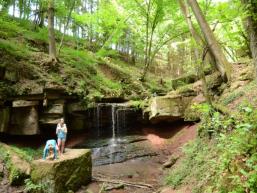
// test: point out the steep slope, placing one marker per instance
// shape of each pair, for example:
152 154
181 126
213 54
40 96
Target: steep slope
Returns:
24 67
223 156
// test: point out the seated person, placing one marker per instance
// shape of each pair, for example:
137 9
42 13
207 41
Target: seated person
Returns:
50 149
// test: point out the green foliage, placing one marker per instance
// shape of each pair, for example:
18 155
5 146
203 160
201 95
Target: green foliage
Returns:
227 163
233 96
27 153
141 104
34 188
13 48
9 28
198 159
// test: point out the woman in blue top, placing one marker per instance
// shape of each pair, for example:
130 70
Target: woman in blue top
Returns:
50 149
61 131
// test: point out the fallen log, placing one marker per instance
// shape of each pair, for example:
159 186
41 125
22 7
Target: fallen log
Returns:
126 183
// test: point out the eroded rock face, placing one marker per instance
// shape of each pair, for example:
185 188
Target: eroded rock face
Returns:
69 172
4 118
23 118
168 108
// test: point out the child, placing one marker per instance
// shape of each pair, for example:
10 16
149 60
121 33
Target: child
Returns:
50 149
61 131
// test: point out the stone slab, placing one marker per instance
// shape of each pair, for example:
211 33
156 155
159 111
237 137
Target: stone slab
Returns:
72 170
24 103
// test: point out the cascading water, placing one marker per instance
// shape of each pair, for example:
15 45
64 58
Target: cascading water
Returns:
117 124
113 121
98 119
111 124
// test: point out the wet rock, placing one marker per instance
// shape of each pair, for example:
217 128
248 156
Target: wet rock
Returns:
121 151
77 116
69 172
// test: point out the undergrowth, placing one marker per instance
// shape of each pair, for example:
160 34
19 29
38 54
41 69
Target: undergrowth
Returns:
223 158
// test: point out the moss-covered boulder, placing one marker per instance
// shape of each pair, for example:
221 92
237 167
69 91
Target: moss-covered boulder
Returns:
17 166
168 108
69 172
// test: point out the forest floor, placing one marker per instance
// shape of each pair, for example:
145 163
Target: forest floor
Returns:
165 142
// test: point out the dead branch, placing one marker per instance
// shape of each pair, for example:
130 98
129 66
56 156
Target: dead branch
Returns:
126 183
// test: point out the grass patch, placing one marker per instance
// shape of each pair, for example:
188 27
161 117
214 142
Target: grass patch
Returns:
14 48
233 96
28 154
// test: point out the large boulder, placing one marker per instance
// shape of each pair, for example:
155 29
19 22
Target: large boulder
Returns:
168 108
69 172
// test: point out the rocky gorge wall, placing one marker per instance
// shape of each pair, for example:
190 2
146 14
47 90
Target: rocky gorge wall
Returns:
39 113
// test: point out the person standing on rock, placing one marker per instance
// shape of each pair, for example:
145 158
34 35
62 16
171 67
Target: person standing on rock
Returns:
61 131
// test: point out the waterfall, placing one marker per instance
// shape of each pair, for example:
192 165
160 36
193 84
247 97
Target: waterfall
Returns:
113 121
98 119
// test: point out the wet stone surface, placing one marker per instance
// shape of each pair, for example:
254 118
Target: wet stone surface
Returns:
117 150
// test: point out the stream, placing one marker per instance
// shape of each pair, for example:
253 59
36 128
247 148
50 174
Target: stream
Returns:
131 152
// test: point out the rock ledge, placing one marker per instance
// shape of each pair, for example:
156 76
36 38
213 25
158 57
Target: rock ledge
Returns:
69 172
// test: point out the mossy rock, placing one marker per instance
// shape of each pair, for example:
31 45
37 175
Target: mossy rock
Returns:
214 80
18 168
191 114
70 172
183 80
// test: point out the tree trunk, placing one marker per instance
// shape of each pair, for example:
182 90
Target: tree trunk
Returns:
251 27
146 60
203 78
14 7
197 37
51 34
20 8
223 65
66 26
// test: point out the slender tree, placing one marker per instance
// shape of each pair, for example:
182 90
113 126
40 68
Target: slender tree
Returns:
251 27
199 40
51 34
67 24
222 63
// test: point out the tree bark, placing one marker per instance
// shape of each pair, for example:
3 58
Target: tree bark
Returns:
251 28
51 33
66 26
223 65
197 37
